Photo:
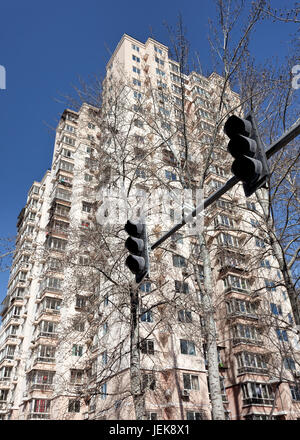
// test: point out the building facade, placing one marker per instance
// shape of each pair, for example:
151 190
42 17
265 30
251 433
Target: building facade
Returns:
65 333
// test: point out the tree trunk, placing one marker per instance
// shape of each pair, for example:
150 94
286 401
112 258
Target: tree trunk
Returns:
211 335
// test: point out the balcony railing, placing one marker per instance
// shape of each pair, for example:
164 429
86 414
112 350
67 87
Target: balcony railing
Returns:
47 335
44 359
239 340
258 401
236 289
41 387
255 370
239 314
38 415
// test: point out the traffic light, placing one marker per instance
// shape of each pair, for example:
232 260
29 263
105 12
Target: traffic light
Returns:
137 244
245 145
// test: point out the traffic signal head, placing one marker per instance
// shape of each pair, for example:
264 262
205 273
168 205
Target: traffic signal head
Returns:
245 145
137 245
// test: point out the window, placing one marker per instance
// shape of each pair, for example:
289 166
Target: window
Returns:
251 206
254 222
179 261
160 72
164 111
254 392
190 382
146 316
161 84
104 358
138 123
175 78
159 61
158 50
146 286
105 328
80 301
136 82
151 415
136 59
171 176
174 67
136 70
243 332
40 405
276 309
181 286
232 281
48 327
103 391
265 264
77 350
184 316
74 406
86 207
270 285
148 381
51 304
68 140
228 240
289 363
248 362
85 225
187 347
135 47
282 335
193 415
137 95
78 326
295 392
166 125
147 346
76 376
3 395
140 173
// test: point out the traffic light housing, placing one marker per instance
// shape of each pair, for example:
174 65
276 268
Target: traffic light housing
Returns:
245 145
137 244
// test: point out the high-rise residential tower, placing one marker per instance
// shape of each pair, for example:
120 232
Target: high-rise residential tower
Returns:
65 333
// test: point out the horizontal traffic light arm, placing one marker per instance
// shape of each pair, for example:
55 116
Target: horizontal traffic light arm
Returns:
288 136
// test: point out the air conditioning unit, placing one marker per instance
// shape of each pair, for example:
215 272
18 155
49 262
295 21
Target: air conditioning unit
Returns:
185 393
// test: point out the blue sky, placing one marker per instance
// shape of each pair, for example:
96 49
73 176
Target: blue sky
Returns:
45 46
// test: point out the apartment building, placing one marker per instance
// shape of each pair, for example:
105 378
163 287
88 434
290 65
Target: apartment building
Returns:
64 339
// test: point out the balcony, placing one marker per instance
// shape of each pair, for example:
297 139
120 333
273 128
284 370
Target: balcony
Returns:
5 382
47 335
41 387
258 401
4 405
38 416
248 341
237 289
49 360
46 311
55 290
238 314
254 370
